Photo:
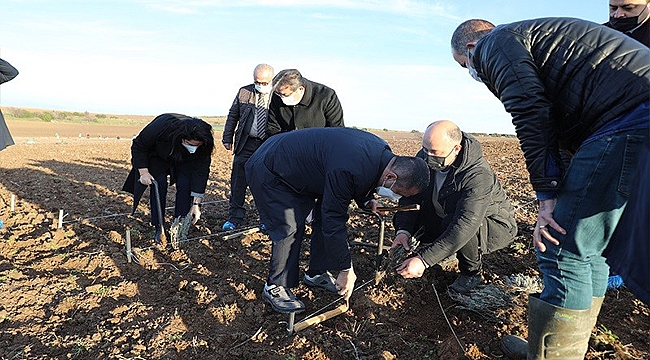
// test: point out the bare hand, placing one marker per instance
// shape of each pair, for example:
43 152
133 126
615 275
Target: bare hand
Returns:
372 205
196 214
345 283
146 179
545 220
228 146
412 268
401 239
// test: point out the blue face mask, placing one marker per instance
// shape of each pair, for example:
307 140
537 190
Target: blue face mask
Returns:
190 148
387 193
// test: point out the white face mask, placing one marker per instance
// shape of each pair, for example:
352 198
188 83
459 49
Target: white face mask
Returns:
387 193
263 89
190 148
472 72
292 99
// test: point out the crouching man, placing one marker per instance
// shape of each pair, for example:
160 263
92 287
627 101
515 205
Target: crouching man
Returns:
464 210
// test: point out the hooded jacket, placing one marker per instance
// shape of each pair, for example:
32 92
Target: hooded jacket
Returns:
561 79
470 194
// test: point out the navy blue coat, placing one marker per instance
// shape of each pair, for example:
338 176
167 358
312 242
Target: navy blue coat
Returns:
337 165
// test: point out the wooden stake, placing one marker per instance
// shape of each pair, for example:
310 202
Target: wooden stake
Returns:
60 225
320 318
13 202
128 246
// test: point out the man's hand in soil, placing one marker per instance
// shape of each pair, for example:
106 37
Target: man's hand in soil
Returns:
345 282
412 268
401 239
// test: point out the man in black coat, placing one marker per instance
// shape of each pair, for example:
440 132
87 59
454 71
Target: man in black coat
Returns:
246 123
580 87
328 167
464 210
299 103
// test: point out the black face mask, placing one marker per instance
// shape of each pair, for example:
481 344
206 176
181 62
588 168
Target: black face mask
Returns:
627 23
437 163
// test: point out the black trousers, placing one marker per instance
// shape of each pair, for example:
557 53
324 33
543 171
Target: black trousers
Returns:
183 201
238 184
468 251
283 211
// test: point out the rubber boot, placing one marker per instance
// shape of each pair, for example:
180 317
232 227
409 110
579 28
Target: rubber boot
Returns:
553 332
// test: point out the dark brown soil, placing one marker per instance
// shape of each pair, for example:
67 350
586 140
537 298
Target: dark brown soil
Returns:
70 293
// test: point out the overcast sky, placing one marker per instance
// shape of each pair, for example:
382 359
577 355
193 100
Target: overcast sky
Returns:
388 60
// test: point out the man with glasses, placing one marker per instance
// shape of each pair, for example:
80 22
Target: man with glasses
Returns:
631 18
299 103
464 210
246 125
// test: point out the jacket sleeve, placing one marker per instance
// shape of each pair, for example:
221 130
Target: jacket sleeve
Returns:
145 143
7 72
512 75
231 121
333 112
337 193
468 215
272 122
200 176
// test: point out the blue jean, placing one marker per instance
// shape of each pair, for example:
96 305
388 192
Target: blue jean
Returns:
589 205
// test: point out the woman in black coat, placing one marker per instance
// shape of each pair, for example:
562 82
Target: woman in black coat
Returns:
181 147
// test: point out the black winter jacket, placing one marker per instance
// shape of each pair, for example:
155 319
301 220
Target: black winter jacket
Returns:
319 107
470 194
561 79
153 149
240 118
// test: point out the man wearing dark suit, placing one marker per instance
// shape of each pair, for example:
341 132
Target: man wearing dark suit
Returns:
631 17
299 103
324 169
246 122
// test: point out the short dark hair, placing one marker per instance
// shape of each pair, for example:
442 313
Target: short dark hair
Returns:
290 77
469 31
412 172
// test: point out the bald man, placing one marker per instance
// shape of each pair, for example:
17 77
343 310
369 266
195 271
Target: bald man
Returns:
464 210
246 125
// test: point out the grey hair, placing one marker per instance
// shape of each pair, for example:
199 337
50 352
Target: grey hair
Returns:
288 77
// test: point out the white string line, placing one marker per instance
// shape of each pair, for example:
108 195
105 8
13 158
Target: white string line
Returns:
127 213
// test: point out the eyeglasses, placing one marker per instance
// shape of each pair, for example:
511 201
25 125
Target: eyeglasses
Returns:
287 95
262 83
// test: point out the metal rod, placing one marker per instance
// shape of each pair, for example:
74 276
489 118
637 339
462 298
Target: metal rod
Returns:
13 202
60 224
292 318
129 254
241 233
161 216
